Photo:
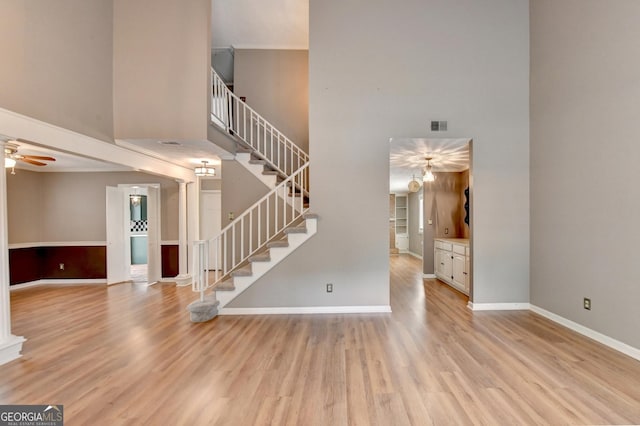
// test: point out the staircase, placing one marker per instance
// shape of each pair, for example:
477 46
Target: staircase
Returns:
268 231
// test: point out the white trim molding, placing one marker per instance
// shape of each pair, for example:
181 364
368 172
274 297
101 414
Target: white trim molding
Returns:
428 275
58 244
498 306
169 243
10 348
375 309
416 255
62 281
590 333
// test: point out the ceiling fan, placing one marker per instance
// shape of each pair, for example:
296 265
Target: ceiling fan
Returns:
11 156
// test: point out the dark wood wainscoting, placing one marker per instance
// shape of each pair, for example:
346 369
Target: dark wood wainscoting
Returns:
169 256
79 262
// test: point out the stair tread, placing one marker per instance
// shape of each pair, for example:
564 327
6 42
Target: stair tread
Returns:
226 285
262 257
296 230
244 272
259 162
310 215
270 172
279 243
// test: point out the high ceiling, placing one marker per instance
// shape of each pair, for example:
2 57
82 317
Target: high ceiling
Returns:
279 24
407 158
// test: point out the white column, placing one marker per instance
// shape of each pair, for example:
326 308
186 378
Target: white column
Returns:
183 277
193 213
10 345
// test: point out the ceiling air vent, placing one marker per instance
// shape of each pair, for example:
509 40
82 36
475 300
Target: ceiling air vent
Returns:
438 126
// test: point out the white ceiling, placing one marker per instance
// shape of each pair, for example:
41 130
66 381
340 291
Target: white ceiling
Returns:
186 153
280 24
407 158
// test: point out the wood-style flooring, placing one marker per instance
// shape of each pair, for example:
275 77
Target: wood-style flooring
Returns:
127 354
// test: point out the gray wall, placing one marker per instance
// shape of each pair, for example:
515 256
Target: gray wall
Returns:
57 63
415 237
240 190
585 63
479 83
45 207
276 85
161 63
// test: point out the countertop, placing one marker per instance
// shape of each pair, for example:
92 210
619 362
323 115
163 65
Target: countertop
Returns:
462 241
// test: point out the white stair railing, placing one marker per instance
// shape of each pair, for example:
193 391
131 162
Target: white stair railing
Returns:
239 119
252 230
200 281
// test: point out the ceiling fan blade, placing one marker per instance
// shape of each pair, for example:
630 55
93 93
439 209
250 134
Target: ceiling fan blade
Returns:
34 162
27 141
38 157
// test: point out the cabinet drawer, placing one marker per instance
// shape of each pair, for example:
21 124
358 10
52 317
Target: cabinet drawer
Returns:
459 249
443 246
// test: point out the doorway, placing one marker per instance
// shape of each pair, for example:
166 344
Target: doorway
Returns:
133 233
430 206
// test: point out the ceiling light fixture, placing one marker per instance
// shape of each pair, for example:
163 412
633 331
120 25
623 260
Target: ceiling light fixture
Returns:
427 174
205 170
414 185
9 163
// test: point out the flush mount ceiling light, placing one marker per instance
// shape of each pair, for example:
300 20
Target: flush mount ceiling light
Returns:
205 170
427 174
414 185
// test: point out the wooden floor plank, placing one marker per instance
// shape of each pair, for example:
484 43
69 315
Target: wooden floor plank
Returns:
127 354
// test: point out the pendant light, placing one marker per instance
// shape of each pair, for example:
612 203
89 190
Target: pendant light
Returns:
414 185
205 170
427 175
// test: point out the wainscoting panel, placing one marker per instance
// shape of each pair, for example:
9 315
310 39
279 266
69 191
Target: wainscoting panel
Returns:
169 256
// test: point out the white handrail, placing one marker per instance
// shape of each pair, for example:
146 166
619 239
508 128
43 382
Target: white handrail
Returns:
252 230
239 119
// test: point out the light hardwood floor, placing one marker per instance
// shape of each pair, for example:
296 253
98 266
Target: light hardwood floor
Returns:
128 354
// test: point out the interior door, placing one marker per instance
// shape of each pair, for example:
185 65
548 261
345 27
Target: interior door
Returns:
211 221
117 244
154 271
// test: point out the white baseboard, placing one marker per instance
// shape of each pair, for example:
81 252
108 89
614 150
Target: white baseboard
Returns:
414 255
308 310
79 281
590 333
10 348
498 306
428 275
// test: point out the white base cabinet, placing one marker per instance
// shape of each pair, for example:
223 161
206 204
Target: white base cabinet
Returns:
452 262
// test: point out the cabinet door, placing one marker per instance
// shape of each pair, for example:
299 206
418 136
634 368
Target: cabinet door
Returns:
458 274
467 269
439 263
447 267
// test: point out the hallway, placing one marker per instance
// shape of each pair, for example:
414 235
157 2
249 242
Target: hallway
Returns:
127 354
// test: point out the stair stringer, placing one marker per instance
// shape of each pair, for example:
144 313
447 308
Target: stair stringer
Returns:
258 269
271 181
244 159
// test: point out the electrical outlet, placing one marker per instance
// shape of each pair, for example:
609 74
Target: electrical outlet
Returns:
430 222
231 216
587 303
61 266
329 288
446 231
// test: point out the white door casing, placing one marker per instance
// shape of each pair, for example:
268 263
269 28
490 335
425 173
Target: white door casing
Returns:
117 244
154 267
